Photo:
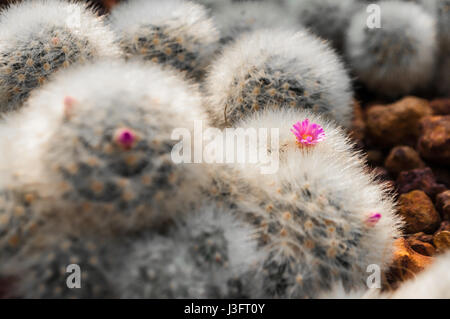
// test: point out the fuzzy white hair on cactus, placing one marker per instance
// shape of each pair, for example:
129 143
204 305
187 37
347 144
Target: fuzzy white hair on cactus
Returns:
321 218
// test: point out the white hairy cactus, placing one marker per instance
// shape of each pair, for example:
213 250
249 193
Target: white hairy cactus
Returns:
278 69
96 144
318 217
397 58
328 19
39 37
177 33
207 255
238 18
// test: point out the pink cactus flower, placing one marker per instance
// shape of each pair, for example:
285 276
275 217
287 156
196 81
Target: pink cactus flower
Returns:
308 133
125 138
373 219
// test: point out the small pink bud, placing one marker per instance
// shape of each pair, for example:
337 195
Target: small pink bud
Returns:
125 138
69 103
373 219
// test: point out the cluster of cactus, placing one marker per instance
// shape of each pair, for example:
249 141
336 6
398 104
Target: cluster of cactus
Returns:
316 219
39 37
87 175
177 33
278 69
117 170
209 253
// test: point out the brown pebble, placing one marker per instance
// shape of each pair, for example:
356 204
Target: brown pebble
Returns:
403 158
397 123
434 142
417 209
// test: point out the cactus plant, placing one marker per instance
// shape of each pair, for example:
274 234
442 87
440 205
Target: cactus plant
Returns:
117 170
278 69
320 218
177 33
397 58
207 255
39 37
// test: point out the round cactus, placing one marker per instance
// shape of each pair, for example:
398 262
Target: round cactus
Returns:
208 255
320 218
397 58
238 18
277 69
39 37
328 19
105 155
177 33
